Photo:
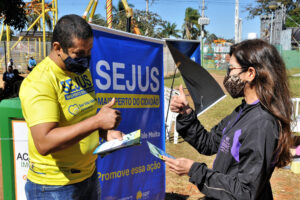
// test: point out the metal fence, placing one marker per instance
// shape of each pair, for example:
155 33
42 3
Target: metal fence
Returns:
21 53
214 57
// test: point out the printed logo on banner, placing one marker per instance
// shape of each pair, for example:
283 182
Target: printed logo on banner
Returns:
142 195
115 78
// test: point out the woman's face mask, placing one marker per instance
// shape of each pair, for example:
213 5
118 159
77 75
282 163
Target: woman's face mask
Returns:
234 85
77 65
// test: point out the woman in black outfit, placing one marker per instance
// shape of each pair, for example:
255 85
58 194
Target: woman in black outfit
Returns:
253 139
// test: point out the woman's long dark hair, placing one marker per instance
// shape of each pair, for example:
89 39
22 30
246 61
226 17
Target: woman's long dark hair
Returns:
272 88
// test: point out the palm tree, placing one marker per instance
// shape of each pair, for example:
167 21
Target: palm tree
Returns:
170 30
119 16
191 26
34 9
98 19
4 34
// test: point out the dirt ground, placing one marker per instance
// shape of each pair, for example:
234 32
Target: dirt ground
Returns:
285 184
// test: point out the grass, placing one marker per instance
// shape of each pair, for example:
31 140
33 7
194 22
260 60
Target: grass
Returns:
294 82
225 107
177 81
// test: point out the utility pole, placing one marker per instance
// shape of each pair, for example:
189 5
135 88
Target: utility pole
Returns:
147 15
147 7
203 7
202 21
202 34
236 22
240 30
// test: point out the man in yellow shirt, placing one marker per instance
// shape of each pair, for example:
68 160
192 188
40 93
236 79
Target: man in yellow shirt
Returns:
59 106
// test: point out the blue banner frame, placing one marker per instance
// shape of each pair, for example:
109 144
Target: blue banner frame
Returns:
130 68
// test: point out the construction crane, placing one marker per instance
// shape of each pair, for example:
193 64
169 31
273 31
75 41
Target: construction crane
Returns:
129 15
130 21
38 9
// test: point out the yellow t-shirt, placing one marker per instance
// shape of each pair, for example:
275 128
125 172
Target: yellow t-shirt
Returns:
49 94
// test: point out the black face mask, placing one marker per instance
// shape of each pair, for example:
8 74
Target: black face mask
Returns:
77 65
234 85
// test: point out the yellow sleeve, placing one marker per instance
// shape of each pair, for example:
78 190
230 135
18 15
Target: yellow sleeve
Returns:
39 102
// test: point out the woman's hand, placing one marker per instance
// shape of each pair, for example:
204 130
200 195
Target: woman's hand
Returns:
180 166
179 104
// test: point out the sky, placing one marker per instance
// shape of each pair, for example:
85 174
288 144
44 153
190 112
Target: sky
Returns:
220 12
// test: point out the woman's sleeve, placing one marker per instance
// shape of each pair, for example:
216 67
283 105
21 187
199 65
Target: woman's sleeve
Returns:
192 131
254 168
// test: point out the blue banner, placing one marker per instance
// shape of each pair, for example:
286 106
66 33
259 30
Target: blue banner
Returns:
196 55
130 68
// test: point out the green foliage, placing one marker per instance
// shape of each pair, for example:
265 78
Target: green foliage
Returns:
151 25
4 35
98 19
210 38
191 27
170 30
261 8
13 13
295 15
32 17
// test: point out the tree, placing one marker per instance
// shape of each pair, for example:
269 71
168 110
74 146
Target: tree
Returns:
119 18
210 39
34 9
13 13
292 10
4 35
151 26
98 19
191 27
170 30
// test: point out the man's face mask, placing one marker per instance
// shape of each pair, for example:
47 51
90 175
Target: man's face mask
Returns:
234 85
77 65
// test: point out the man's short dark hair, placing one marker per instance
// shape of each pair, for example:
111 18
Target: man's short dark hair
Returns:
69 27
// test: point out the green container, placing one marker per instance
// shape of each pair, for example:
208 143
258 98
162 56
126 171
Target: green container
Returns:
10 109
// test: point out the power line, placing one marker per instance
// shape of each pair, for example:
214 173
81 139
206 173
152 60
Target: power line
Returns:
292 19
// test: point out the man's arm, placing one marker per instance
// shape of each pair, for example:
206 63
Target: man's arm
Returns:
49 138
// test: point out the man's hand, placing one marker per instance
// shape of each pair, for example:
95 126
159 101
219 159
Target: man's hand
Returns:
180 166
179 104
108 118
111 134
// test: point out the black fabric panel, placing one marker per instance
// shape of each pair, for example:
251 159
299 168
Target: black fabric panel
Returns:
203 88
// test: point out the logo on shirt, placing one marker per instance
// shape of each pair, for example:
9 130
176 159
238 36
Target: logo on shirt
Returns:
74 109
81 86
225 145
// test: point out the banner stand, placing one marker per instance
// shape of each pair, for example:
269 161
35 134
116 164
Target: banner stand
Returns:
10 109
